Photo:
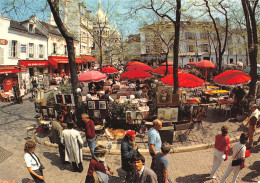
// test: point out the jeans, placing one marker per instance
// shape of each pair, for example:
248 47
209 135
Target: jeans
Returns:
92 145
36 179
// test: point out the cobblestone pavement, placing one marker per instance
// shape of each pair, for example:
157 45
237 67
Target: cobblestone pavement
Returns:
184 167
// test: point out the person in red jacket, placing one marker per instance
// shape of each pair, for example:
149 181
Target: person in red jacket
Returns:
221 150
90 132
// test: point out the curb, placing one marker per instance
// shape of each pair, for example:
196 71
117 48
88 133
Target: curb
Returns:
146 151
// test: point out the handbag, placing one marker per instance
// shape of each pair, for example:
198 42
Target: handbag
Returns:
102 177
238 161
41 167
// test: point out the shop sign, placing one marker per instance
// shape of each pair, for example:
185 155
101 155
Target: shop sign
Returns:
8 82
3 42
23 48
23 68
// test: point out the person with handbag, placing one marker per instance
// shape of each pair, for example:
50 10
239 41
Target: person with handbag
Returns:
238 158
221 150
33 163
98 169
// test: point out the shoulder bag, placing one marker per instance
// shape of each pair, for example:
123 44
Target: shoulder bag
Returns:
238 161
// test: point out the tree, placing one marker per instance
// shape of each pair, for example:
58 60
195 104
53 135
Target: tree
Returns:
249 8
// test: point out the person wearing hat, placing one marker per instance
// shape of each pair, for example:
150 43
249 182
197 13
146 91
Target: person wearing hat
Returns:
128 149
73 143
252 124
97 165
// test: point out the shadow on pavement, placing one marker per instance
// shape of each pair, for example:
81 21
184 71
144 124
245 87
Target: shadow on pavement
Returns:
194 178
27 180
56 161
254 173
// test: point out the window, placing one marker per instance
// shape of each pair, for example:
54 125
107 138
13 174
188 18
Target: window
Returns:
31 49
191 48
205 48
190 35
14 48
54 48
65 50
30 27
41 51
231 60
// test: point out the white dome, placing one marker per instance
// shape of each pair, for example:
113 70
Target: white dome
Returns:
100 16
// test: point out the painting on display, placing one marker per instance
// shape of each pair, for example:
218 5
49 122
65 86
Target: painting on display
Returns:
91 105
96 114
102 105
51 112
44 111
37 107
168 114
202 108
164 95
68 99
58 99
130 117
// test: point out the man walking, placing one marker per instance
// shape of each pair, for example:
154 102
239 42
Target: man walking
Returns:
73 143
154 140
90 132
252 124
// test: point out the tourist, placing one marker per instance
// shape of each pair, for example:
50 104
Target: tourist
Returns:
56 131
239 150
90 132
128 149
162 163
154 140
73 143
97 165
33 163
107 96
252 124
132 85
221 150
142 174
138 92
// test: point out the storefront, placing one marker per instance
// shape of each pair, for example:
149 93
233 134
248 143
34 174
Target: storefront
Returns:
8 77
32 69
88 61
60 65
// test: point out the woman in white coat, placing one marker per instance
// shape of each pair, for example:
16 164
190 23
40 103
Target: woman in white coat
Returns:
73 143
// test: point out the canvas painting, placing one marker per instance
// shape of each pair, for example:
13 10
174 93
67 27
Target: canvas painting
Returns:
102 105
96 114
164 95
168 114
91 105
68 99
51 112
201 108
59 99
130 117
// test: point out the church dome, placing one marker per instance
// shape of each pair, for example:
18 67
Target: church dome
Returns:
100 16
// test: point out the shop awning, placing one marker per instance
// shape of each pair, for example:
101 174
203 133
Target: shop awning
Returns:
9 71
88 58
78 60
58 60
33 63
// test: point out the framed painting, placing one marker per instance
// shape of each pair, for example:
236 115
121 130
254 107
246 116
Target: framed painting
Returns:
44 111
68 99
37 106
51 111
130 117
168 114
59 99
164 95
96 114
201 108
102 105
91 105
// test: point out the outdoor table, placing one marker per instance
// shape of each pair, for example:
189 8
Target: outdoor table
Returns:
191 101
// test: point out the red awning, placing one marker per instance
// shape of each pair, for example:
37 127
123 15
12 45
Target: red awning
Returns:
59 60
34 63
9 71
88 58
78 60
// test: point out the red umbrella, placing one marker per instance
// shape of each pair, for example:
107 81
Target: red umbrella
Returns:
192 63
169 63
134 75
161 70
186 80
92 76
232 77
134 62
205 64
142 67
109 70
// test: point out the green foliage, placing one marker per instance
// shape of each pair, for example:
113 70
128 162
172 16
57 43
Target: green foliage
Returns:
118 110
66 89
50 100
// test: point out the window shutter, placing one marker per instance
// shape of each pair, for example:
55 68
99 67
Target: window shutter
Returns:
10 48
27 50
37 51
18 49
2 56
34 50
43 52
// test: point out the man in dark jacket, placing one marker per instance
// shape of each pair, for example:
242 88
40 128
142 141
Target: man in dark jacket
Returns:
128 149
90 132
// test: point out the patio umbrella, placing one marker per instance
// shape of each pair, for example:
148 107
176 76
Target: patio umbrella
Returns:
135 74
109 70
205 64
142 67
161 70
92 75
247 70
232 77
134 62
192 63
186 80
169 63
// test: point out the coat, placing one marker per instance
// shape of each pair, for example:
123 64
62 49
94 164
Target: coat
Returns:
73 143
148 176
127 152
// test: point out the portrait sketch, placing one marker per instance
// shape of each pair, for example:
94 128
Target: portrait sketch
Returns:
51 112
59 99
164 95
102 105
168 114
91 105
130 117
